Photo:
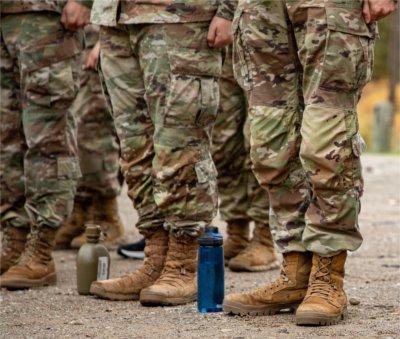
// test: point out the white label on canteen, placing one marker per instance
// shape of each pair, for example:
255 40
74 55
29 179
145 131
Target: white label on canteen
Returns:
102 268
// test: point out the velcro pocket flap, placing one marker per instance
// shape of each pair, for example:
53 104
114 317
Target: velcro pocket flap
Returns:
348 20
192 62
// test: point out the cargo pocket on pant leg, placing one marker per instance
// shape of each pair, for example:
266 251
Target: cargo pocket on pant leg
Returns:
182 139
193 95
348 58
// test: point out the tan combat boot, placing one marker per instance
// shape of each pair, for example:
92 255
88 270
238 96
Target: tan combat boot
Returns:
12 245
326 301
35 266
105 214
75 225
259 255
177 284
287 292
237 240
128 287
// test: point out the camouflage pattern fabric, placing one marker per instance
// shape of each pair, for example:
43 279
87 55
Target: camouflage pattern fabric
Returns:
241 196
162 84
23 6
39 72
111 12
98 147
304 64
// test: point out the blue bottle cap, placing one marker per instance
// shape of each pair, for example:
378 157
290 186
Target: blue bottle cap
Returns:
211 237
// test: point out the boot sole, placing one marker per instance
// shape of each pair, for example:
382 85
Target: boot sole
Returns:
154 299
232 307
16 284
103 294
319 319
247 268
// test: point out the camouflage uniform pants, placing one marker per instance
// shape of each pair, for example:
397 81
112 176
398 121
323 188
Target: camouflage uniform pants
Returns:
39 167
161 82
241 197
97 144
304 64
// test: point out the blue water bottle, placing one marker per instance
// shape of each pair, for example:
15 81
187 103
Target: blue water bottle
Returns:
210 275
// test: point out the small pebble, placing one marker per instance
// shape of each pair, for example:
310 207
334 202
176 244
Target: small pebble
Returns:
354 301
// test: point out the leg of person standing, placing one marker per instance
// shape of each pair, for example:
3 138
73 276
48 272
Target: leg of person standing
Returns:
96 197
14 219
242 199
303 91
45 57
162 82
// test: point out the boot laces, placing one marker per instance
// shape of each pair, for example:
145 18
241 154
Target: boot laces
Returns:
321 284
281 280
6 240
32 249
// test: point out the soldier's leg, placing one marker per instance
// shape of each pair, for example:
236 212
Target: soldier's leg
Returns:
181 76
229 154
14 219
48 60
98 157
335 49
270 74
125 92
259 255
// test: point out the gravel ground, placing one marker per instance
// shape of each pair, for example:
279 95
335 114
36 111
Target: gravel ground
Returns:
372 284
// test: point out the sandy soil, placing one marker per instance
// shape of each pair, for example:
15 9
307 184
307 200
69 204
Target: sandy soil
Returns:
373 283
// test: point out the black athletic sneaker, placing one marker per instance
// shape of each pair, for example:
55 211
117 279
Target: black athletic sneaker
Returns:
134 250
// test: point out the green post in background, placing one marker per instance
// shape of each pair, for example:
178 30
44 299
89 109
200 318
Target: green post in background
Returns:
382 127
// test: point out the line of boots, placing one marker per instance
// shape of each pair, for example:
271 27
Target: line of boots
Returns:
167 276
244 255
309 284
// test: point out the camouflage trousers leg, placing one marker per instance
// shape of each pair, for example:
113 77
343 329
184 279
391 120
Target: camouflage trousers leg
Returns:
12 147
164 100
303 91
97 143
241 197
38 147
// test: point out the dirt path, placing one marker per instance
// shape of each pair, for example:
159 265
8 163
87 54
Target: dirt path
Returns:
372 279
